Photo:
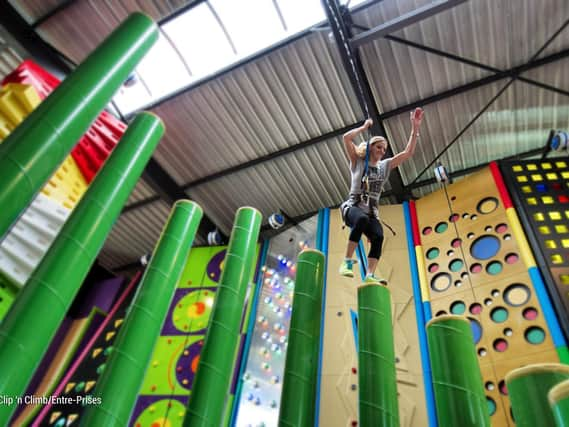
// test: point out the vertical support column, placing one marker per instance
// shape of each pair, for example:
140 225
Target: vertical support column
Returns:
528 388
120 383
53 286
209 391
301 367
459 392
376 358
30 154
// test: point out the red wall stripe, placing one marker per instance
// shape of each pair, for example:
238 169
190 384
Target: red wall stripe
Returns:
414 223
499 181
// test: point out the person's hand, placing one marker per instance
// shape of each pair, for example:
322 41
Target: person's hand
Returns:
416 118
367 124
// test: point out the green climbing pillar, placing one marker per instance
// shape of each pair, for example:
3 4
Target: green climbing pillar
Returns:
528 388
376 358
459 392
211 384
301 368
120 383
558 398
36 148
36 314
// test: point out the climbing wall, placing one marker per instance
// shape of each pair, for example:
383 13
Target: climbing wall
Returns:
76 332
540 189
338 404
166 388
74 391
474 267
24 246
260 385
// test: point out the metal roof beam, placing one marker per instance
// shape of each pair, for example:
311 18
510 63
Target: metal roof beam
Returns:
44 53
251 163
511 73
472 63
467 171
271 156
60 7
512 79
403 21
169 191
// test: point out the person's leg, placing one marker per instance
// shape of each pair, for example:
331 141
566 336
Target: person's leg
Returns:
358 221
374 232
371 265
351 248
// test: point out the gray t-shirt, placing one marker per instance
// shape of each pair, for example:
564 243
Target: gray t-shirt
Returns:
377 176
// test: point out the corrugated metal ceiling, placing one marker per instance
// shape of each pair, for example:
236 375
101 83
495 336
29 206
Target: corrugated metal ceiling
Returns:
10 53
275 103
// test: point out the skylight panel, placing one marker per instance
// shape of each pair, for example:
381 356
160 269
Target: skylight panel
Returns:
301 14
211 36
160 73
252 24
201 41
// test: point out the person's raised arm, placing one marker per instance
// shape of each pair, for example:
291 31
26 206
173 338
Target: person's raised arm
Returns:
416 118
349 140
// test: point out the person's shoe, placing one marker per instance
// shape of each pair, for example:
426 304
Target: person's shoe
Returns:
372 278
347 268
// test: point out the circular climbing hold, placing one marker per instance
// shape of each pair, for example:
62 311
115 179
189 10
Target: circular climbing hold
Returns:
485 247
534 335
494 267
511 258
475 308
529 313
491 405
457 307
455 265
501 228
432 253
441 227
441 282
487 205
476 329
475 268
499 314
517 294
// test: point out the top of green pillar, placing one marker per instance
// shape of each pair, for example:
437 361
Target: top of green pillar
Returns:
446 318
311 256
190 203
558 393
249 208
141 15
311 252
150 113
538 368
365 285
